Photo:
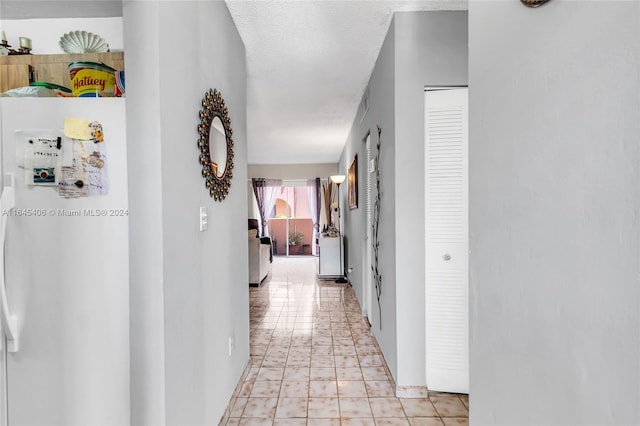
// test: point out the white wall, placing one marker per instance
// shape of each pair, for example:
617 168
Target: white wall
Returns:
381 113
421 49
200 298
146 242
291 171
45 33
554 222
431 50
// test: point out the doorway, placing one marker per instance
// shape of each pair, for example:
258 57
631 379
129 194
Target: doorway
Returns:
447 239
291 223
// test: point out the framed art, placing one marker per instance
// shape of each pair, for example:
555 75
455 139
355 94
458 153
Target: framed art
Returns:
352 183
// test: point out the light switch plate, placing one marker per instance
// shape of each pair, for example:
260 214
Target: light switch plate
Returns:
204 219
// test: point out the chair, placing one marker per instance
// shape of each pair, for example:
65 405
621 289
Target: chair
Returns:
254 224
260 255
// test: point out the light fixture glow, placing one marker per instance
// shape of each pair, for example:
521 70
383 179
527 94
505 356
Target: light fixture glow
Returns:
338 179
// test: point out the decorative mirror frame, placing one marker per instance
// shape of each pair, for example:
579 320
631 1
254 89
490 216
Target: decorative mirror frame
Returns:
213 105
533 3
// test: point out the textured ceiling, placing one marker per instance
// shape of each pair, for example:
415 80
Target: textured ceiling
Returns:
308 63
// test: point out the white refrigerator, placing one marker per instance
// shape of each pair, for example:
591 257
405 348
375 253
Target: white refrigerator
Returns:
66 280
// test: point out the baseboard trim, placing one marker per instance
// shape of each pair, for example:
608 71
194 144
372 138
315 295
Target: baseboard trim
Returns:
411 392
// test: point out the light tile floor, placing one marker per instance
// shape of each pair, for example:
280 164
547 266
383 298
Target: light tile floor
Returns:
314 361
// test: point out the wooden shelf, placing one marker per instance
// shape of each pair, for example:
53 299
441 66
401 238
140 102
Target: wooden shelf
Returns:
19 70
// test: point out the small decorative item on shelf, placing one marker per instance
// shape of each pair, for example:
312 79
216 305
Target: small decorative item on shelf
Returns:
25 45
5 47
332 232
83 42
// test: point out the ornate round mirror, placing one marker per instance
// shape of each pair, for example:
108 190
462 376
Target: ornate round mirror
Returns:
216 145
533 3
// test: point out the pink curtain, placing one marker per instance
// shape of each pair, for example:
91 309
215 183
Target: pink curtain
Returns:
313 188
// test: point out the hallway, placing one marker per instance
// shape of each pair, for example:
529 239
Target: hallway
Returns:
314 362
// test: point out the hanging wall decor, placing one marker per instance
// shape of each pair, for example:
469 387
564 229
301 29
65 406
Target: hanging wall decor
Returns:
215 144
375 226
352 183
533 3
327 191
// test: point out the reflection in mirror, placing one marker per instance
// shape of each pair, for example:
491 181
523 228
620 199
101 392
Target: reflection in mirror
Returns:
218 147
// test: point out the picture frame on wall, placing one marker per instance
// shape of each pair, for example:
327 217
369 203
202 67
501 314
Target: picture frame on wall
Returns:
352 183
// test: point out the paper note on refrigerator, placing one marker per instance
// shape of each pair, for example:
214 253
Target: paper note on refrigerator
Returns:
73 179
96 168
88 173
76 128
40 153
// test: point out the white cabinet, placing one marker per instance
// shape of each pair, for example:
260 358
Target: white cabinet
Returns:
330 259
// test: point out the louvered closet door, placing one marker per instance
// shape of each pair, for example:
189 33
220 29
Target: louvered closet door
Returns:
447 240
368 235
